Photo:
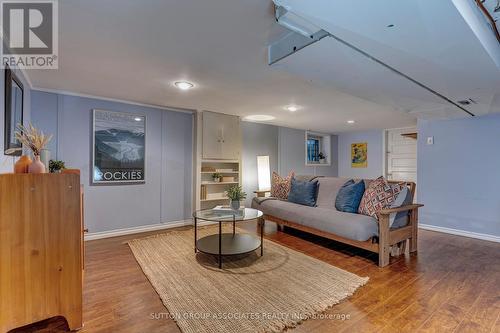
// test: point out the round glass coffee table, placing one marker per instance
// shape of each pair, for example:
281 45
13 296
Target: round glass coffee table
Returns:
228 244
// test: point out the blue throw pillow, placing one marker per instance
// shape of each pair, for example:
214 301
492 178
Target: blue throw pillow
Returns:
349 196
303 193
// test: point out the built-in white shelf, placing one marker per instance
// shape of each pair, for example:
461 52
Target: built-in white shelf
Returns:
212 172
220 161
218 183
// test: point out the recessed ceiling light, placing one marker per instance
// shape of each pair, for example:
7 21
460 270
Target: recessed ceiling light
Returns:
292 108
184 85
259 117
137 118
350 121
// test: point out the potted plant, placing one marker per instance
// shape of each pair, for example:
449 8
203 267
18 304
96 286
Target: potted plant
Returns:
322 158
216 177
35 140
236 194
56 166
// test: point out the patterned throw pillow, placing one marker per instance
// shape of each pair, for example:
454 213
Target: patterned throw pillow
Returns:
280 187
379 195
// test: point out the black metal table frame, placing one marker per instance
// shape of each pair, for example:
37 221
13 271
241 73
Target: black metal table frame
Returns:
260 221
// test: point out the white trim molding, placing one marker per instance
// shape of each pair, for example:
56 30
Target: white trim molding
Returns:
470 234
136 230
142 228
117 100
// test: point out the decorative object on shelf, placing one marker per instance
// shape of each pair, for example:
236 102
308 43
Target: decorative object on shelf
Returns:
227 179
13 106
22 164
236 194
37 166
216 177
208 169
35 140
119 144
359 155
45 157
203 192
224 170
56 166
322 158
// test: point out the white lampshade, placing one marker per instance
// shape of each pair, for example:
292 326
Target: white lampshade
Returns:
263 173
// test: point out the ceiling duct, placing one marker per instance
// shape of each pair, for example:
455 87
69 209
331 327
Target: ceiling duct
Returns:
287 46
295 23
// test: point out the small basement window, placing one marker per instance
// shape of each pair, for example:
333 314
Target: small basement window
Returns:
317 149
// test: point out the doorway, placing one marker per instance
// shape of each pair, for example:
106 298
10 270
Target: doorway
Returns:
401 154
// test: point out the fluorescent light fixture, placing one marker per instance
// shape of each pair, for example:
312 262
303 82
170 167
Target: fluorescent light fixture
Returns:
137 118
263 173
350 121
183 85
292 108
259 117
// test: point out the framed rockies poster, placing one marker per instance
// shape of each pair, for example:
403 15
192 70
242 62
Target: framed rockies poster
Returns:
118 147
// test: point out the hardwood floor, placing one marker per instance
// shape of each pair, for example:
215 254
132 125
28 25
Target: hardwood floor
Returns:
451 285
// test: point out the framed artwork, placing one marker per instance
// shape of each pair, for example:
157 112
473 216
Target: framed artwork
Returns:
118 147
13 100
359 155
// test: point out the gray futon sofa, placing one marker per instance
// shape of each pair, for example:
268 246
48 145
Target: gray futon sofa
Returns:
354 229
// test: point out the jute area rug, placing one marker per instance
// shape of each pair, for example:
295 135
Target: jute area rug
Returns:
249 294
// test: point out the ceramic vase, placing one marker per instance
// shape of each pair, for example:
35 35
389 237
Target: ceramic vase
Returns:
235 204
22 164
45 157
37 166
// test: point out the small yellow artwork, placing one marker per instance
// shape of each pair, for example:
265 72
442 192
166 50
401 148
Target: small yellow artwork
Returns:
359 155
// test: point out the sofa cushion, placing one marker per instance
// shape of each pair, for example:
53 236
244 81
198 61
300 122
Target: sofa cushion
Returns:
280 187
398 220
379 195
327 191
303 192
352 226
349 196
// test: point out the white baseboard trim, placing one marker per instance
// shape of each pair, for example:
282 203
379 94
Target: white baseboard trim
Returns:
458 232
136 230
143 228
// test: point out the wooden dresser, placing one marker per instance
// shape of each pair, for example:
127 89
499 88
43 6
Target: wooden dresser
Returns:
41 249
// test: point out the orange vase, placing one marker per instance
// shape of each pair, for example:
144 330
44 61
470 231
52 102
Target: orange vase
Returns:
37 166
22 164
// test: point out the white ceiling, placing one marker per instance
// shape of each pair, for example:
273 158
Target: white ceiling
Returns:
430 42
134 50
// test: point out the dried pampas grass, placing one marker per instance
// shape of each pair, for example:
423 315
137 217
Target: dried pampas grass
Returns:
32 138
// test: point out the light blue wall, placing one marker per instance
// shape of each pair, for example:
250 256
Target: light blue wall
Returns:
292 154
374 138
459 176
286 150
258 139
7 162
166 195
